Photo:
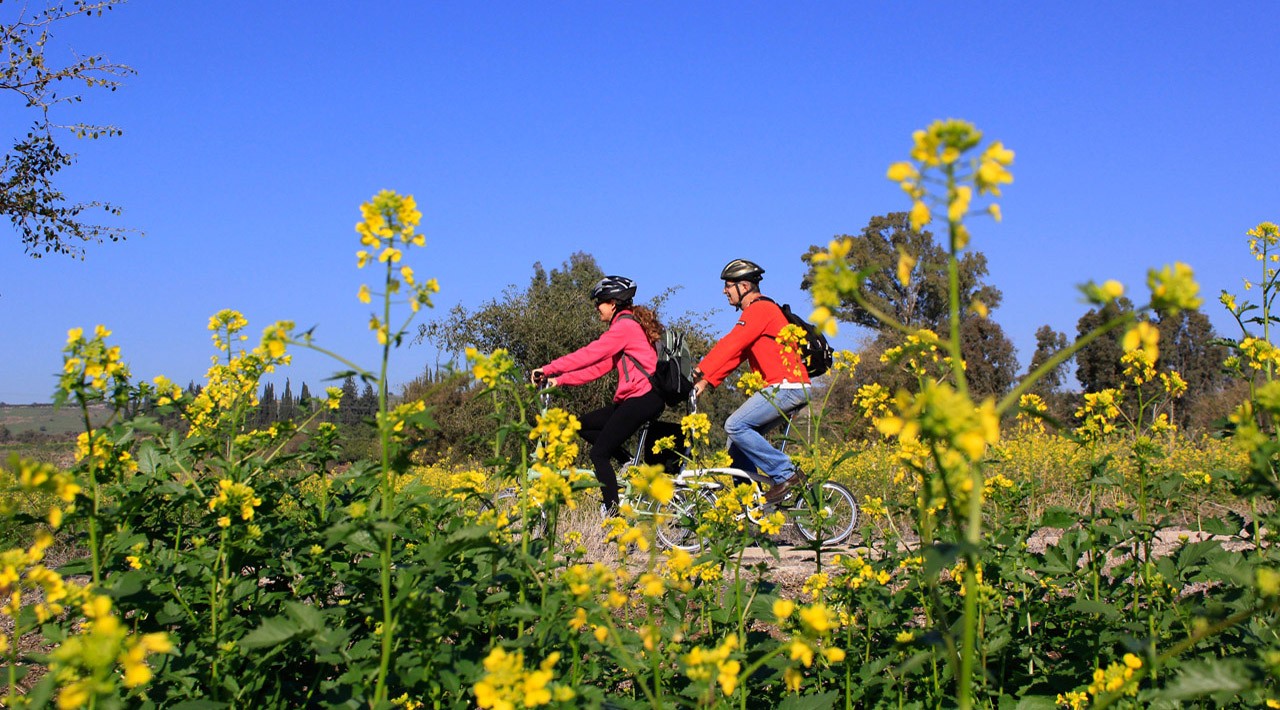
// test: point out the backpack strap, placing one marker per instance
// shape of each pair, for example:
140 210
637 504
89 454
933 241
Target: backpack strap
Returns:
766 299
634 361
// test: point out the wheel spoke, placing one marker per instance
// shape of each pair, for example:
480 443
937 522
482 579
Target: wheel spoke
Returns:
834 518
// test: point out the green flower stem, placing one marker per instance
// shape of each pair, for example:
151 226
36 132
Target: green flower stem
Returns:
388 511
522 475
1268 295
306 343
737 587
94 550
218 581
1060 357
1095 565
11 699
878 314
968 640
751 669
655 660
191 614
953 286
617 648
276 452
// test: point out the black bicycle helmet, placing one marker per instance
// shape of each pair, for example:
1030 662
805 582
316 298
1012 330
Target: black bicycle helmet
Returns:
742 270
614 288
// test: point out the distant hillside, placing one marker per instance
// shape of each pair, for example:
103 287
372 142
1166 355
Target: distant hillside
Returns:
45 419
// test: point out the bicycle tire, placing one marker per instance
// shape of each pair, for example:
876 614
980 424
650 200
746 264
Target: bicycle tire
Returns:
841 514
678 519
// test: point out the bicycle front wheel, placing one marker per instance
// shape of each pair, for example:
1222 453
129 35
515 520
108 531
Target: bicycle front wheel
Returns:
827 513
507 502
677 523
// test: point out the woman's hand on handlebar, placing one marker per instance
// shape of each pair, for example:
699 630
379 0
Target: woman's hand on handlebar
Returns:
540 378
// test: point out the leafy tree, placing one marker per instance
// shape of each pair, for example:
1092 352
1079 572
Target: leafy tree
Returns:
922 301
1188 345
1098 363
286 402
552 315
348 408
1050 387
357 435
368 402
549 317
29 196
990 363
1049 342
450 394
267 406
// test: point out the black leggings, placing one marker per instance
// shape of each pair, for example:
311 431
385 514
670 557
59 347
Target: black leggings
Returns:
608 428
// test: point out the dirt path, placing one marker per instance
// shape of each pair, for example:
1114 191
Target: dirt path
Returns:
796 563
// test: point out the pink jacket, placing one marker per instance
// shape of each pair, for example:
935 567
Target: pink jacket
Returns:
592 361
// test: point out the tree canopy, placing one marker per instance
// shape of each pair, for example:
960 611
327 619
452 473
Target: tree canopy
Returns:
1098 364
44 217
550 316
921 302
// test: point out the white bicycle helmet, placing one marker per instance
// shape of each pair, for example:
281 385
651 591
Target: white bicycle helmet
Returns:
742 270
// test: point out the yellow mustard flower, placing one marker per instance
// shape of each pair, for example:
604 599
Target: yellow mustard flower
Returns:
1174 288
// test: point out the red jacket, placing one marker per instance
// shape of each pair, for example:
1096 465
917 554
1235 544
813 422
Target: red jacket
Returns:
592 361
754 338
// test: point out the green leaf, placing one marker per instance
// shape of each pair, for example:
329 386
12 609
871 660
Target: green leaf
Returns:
128 584
1060 518
524 611
149 460
199 705
272 632
497 598
810 702
1090 606
1197 679
1036 702
308 617
1217 526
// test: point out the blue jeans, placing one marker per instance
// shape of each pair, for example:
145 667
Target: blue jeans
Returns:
747 426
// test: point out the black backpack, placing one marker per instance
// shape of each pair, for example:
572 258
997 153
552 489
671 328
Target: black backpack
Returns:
672 378
816 351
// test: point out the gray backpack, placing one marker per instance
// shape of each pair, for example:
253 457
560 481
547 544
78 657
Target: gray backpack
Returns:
672 379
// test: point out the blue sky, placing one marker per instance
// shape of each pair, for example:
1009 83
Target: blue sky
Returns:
664 138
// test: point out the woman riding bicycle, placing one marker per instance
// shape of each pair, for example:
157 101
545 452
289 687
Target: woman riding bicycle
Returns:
628 347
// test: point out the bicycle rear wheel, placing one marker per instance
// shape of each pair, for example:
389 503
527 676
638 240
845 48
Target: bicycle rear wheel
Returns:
827 513
677 523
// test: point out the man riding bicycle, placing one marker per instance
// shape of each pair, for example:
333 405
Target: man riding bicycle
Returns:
754 338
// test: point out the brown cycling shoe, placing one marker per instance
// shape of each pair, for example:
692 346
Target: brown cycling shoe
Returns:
780 490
